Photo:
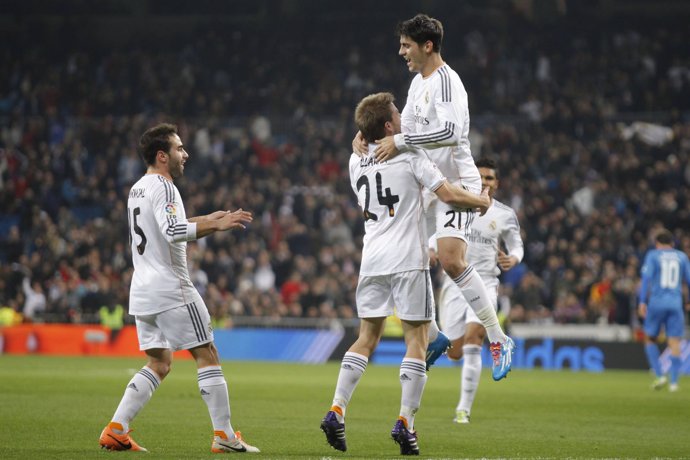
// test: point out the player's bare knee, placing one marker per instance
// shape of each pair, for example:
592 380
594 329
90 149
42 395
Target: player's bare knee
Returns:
365 344
370 347
161 368
214 352
453 266
475 334
475 341
455 353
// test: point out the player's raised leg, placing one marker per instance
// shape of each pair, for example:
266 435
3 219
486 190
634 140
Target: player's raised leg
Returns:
452 257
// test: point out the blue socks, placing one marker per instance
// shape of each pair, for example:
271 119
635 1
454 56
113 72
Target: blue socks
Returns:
652 352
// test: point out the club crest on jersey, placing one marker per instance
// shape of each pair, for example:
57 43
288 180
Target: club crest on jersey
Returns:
170 209
493 225
426 97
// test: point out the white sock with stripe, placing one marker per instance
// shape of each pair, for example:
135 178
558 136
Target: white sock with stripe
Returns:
471 373
433 330
138 392
214 392
474 291
352 368
412 380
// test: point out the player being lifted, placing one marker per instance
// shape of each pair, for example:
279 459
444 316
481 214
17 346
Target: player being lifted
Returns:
170 314
436 117
498 227
395 265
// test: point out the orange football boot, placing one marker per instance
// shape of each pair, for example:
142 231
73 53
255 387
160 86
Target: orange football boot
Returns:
112 441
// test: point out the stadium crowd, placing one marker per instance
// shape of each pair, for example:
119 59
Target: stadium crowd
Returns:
560 109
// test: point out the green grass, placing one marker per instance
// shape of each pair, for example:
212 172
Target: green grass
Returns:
56 408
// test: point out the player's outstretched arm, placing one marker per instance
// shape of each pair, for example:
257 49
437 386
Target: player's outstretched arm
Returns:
458 196
222 220
207 217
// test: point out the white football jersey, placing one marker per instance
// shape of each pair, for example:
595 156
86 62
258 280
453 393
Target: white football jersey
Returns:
498 225
436 117
390 195
159 232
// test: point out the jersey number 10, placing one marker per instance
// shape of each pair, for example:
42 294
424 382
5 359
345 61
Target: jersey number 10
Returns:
670 274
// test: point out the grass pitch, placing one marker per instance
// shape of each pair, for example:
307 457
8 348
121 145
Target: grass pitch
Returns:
56 407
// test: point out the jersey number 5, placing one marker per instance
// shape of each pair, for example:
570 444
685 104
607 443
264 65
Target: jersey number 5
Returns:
141 247
384 200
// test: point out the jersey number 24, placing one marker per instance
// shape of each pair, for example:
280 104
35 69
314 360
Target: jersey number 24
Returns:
384 200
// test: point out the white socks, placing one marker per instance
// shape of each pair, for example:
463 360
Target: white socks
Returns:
471 373
352 368
433 330
412 380
474 291
138 392
214 392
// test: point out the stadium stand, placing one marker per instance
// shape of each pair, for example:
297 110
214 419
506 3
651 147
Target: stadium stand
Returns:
587 115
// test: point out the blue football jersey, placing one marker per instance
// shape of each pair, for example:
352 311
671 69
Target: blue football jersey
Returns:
662 274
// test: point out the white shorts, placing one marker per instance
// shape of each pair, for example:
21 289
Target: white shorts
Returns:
179 328
454 311
445 220
409 292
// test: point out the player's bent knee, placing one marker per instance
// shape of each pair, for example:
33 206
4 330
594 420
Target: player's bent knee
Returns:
454 354
161 368
475 335
453 267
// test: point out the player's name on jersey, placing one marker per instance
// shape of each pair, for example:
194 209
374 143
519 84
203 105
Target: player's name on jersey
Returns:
137 193
365 162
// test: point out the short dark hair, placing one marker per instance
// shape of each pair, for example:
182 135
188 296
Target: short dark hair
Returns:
488 163
371 115
664 237
421 29
155 139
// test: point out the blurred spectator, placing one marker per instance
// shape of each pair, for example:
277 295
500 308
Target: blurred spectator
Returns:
292 289
264 277
528 301
601 302
10 314
35 300
569 309
112 316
